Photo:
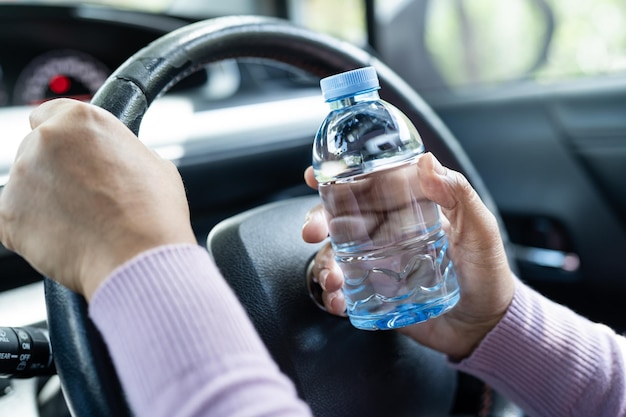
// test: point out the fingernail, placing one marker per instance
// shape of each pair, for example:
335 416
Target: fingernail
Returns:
322 277
312 216
309 218
331 297
333 304
437 167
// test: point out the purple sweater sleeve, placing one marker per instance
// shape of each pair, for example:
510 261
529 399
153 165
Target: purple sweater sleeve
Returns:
551 361
183 345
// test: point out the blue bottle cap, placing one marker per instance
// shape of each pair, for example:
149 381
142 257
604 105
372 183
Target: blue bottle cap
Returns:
349 83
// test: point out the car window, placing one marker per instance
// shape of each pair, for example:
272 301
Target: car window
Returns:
491 42
345 19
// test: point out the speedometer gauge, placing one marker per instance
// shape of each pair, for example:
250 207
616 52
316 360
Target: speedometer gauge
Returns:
63 73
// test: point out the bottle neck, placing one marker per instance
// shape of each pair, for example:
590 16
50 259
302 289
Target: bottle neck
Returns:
350 100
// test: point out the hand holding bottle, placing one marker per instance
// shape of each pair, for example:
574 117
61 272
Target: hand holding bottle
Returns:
476 248
386 235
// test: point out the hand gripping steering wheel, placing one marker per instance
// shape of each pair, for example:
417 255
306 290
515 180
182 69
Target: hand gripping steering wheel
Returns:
373 373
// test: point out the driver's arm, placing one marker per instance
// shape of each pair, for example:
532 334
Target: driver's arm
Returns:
87 204
544 357
552 361
183 345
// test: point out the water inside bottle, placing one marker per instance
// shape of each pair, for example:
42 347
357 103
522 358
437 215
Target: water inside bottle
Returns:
389 243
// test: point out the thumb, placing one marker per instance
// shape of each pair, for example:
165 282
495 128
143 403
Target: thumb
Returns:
444 186
458 200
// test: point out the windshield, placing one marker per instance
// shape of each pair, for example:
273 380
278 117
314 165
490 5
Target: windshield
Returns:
190 8
345 20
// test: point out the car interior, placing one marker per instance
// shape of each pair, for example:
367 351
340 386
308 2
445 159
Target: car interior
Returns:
230 94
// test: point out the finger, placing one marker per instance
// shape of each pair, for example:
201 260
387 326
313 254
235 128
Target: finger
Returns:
330 277
334 278
309 178
323 261
47 110
473 230
334 302
451 190
326 271
10 206
315 228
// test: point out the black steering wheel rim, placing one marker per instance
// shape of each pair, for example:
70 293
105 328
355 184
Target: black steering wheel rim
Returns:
90 383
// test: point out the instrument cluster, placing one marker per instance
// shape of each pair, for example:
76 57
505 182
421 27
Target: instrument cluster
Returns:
55 73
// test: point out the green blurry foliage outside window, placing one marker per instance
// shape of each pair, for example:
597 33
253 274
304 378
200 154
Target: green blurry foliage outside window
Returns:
478 42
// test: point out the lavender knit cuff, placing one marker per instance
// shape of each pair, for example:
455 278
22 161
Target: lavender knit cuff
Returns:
546 358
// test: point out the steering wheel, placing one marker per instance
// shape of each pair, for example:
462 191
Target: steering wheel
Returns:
262 256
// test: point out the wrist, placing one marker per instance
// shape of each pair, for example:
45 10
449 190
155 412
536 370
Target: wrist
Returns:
475 331
105 263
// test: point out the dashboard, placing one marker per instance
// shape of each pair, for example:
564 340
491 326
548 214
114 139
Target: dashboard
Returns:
56 51
57 73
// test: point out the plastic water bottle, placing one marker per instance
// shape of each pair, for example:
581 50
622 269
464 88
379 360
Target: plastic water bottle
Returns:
386 235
